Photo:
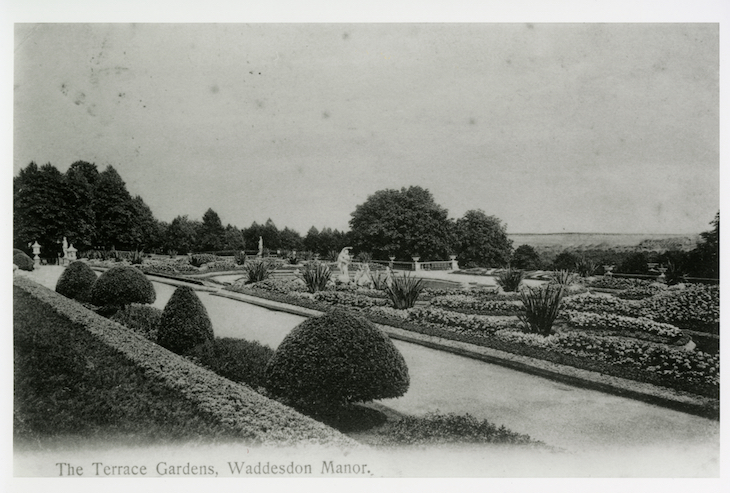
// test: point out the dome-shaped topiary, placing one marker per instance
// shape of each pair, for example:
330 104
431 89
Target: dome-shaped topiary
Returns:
184 323
23 261
120 286
336 359
76 281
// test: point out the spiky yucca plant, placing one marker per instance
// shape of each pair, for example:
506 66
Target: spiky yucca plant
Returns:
509 280
258 270
542 305
404 291
585 267
380 279
563 278
315 275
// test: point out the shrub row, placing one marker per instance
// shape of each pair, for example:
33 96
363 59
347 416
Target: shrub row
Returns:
247 413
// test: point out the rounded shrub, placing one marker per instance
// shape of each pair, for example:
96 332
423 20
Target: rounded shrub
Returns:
23 261
76 281
120 286
184 323
237 360
143 319
334 360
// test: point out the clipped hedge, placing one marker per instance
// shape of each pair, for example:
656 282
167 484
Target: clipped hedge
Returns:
185 322
247 414
334 360
76 281
121 286
143 319
202 258
238 360
23 261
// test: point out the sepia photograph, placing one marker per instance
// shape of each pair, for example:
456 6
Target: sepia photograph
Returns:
365 249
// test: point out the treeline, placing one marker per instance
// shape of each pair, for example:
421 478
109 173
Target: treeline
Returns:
94 210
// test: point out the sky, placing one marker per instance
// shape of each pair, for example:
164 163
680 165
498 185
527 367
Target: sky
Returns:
571 127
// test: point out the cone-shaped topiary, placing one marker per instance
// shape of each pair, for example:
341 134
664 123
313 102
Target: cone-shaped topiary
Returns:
334 360
184 323
120 286
23 261
76 281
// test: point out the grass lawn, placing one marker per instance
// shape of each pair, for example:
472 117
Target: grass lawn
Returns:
73 390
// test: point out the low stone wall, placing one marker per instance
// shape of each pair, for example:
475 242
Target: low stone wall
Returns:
265 421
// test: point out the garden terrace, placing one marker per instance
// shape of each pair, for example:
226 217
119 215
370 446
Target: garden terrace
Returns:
198 404
633 348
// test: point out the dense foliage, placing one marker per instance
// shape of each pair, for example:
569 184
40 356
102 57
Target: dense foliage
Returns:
121 286
23 261
185 322
76 281
402 223
526 257
336 359
143 319
238 360
482 240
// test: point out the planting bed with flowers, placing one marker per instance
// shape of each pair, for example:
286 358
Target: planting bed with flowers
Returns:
639 339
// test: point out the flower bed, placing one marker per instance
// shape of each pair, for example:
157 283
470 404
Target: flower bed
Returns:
470 304
477 324
610 282
696 307
601 304
349 299
624 357
619 323
641 292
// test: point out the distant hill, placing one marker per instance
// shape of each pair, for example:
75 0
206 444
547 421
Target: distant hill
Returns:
557 242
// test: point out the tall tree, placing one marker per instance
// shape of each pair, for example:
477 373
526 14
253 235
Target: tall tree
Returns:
290 239
403 223
211 235
144 226
81 182
311 241
482 240
39 208
114 211
181 235
234 239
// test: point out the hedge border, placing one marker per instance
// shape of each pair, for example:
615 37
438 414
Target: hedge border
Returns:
267 422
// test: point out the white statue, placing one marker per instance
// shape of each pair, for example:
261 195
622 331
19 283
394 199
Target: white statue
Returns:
261 246
343 261
363 277
65 246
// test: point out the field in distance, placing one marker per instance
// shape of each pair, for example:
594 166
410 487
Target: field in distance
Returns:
605 241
